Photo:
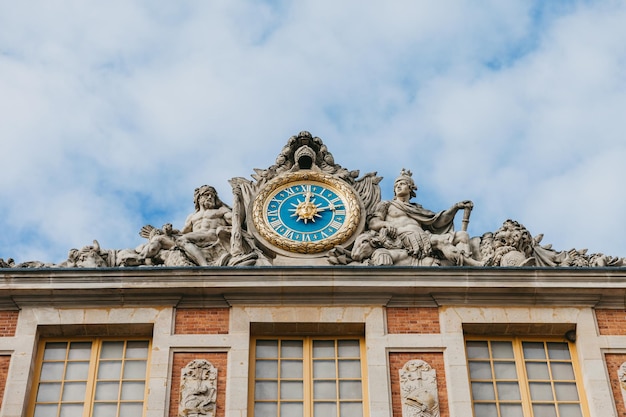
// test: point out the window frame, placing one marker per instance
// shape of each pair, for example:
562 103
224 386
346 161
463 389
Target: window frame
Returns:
307 375
522 376
93 363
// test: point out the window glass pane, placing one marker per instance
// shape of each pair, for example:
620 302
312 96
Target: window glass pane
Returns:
291 349
52 371
570 410
46 410
350 390
266 390
105 410
135 370
324 390
544 410
324 410
537 370
133 390
540 391
348 349
508 391
485 410
349 369
562 371
291 409
71 410
480 370
558 351
112 350
266 348
291 390
323 348
49 392
107 391
77 370
80 351
266 369
324 369
55 351
534 350
266 409
74 391
350 409
137 349
565 391
291 369
511 410
483 391
502 350
131 409
505 370
109 370
477 350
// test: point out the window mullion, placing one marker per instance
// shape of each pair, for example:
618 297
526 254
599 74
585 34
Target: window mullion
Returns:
307 353
91 378
520 364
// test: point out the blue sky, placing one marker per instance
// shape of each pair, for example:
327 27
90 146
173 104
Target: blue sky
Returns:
113 112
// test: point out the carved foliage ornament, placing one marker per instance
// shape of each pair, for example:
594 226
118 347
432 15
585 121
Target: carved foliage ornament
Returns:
198 389
418 390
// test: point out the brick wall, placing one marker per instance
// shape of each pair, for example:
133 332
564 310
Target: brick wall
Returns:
613 362
4 372
201 321
413 320
611 322
217 359
397 361
8 323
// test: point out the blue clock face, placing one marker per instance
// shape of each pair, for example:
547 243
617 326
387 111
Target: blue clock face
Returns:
305 211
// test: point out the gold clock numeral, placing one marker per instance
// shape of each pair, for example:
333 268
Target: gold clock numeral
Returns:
335 225
276 223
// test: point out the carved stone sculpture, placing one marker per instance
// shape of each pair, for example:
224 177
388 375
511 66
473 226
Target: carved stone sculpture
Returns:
397 232
418 390
198 389
621 376
426 236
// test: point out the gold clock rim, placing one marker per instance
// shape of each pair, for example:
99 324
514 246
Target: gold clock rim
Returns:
347 230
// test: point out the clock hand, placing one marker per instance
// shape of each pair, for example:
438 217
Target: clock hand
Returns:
328 207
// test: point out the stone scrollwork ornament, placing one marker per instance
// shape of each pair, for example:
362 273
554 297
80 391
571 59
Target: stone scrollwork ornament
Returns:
418 390
198 389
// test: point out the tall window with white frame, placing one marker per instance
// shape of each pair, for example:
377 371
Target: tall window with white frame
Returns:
524 377
93 377
307 377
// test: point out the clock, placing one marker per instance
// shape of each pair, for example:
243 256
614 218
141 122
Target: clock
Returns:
306 212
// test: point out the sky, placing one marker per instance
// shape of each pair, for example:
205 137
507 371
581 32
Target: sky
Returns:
112 113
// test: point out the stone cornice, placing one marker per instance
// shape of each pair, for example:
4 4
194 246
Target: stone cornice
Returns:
391 286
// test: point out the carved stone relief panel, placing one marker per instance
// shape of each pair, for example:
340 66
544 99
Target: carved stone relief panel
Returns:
621 375
418 386
198 389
